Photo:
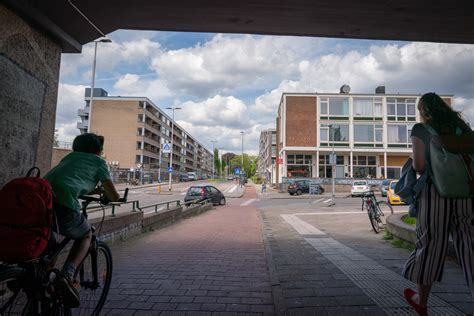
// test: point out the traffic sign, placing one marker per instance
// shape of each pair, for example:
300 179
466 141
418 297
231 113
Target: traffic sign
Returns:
170 169
237 170
166 148
279 161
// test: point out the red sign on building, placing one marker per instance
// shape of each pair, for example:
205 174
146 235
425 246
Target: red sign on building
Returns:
279 161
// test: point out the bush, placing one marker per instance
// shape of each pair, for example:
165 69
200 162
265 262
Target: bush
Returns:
409 220
256 179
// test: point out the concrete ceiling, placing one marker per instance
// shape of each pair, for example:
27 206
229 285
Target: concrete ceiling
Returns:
449 21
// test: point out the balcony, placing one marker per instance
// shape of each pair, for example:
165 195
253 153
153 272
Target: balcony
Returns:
83 112
83 125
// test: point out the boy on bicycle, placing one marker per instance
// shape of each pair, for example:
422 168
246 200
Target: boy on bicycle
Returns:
77 174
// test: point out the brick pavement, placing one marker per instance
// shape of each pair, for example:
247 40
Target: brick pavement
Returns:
211 264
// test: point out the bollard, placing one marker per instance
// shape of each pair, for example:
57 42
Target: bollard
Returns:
158 188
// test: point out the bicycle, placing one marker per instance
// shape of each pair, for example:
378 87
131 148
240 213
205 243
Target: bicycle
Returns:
376 210
27 288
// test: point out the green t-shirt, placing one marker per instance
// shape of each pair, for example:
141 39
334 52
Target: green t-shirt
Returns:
77 174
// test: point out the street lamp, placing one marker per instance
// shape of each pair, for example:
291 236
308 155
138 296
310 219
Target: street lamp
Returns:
242 158
213 158
333 165
99 40
171 151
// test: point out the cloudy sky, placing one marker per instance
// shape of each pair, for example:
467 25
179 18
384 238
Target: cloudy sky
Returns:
228 83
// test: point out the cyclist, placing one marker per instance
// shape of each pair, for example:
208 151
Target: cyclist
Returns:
77 174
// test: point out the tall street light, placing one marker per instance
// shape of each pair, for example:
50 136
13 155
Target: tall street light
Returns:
213 158
173 108
99 40
242 158
333 164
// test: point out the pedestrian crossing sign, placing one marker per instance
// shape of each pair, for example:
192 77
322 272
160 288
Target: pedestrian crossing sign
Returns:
166 148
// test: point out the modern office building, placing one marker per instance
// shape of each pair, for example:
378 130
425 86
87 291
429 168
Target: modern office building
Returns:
135 130
266 165
369 134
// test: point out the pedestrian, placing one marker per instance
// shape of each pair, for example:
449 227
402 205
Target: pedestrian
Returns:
437 216
264 187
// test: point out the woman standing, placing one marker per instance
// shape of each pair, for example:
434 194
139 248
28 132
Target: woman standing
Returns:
437 216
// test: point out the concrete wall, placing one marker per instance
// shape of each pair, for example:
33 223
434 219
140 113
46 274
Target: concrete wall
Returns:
29 74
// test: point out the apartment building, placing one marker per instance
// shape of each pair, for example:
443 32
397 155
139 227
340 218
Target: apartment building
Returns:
369 134
135 131
266 165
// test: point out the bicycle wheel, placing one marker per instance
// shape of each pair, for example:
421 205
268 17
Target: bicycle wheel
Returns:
385 210
373 218
13 300
94 277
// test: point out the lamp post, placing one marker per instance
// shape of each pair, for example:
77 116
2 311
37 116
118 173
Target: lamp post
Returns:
99 40
171 149
333 166
213 158
242 158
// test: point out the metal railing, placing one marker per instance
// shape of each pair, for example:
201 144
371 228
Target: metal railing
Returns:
156 206
135 205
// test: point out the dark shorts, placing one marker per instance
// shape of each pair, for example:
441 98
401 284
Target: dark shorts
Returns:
71 223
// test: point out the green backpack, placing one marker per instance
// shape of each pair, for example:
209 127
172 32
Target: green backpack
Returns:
451 163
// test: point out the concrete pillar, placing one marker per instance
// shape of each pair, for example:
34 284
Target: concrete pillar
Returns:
29 77
352 164
317 163
385 164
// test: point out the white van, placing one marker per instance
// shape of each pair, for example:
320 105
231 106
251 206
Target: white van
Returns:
191 176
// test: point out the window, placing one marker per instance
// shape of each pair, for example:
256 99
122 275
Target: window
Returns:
401 109
335 106
298 159
364 166
393 173
368 107
399 134
336 132
368 133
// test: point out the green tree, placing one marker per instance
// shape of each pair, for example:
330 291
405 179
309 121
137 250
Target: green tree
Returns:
217 162
250 164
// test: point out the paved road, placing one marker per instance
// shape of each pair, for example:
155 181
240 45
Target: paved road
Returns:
271 256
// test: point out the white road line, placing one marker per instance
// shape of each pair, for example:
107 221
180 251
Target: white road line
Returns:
183 193
300 226
234 187
318 200
248 202
327 201
185 190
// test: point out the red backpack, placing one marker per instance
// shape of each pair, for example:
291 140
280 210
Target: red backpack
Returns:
25 218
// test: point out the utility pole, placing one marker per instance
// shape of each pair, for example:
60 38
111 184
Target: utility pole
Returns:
171 152
242 159
333 167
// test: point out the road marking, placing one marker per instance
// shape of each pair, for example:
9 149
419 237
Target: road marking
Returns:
318 200
185 190
231 188
183 193
327 201
248 202
300 226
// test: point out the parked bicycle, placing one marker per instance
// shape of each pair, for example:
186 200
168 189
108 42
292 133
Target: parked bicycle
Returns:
376 210
27 288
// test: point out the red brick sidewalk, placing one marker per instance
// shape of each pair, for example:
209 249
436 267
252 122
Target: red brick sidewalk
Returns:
211 264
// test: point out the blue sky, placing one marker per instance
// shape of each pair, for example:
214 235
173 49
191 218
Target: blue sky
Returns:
230 82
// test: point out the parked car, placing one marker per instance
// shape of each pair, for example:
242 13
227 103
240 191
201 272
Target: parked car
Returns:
392 198
192 176
202 192
299 187
384 187
183 178
230 178
359 187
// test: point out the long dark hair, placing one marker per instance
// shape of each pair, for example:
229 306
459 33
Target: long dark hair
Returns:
440 115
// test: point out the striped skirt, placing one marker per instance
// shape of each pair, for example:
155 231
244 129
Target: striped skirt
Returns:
437 218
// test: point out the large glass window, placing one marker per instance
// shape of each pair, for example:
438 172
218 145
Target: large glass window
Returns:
334 132
399 134
334 106
364 166
368 133
401 109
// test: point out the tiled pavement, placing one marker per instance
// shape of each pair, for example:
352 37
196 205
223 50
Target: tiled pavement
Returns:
211 264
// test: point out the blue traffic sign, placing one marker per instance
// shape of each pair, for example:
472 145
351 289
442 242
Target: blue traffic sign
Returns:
170 169
237 170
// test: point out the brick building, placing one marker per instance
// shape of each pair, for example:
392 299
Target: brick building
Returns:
370 134
135 130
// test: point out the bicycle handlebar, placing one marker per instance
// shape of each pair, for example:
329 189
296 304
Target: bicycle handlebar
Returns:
103 200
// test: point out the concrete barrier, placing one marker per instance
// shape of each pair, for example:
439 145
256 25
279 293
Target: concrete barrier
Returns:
401 230
126 225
